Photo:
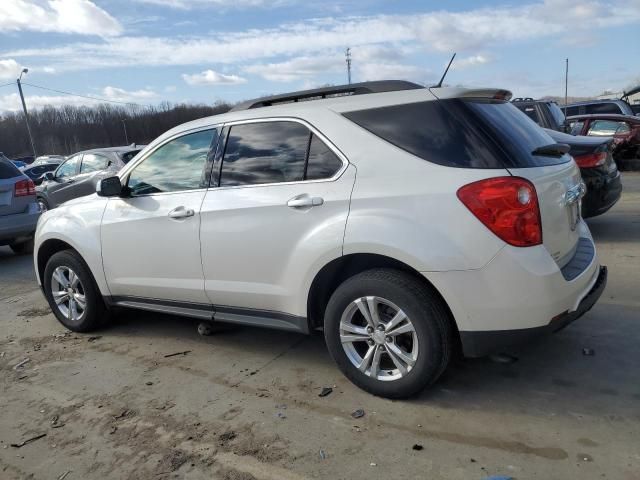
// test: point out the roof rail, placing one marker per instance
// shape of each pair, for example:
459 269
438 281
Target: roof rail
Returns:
325 92
523 99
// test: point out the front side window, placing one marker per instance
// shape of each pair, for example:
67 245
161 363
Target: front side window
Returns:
92 162
176 166
607 128
269 152
68 168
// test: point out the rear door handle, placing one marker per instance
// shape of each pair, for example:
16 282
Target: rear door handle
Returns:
181 212
303 201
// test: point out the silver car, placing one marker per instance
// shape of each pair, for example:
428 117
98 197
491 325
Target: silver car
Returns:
80 173
19 210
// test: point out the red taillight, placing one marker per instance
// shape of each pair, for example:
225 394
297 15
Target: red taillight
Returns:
24 188
508 206
591 160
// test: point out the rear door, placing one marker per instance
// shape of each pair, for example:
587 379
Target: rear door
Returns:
556 178
282 202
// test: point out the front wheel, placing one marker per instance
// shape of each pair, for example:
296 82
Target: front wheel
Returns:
72 292
388 332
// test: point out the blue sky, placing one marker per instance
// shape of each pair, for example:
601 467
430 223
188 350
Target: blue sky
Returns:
149 51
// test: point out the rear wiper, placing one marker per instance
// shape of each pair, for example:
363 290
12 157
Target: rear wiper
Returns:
552 150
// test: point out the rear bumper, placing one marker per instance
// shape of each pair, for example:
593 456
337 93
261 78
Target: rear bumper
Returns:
603 192
20 225
481 343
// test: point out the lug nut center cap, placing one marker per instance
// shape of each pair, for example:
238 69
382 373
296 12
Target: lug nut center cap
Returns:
378 337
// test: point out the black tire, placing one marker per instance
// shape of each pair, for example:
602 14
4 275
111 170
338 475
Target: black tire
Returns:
95 314
44 206
422 305
22 248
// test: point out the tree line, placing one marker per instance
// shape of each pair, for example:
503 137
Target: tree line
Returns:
68 129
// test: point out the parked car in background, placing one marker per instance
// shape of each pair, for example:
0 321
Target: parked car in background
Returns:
19 211
599 107
545 113
42 159
37 172
625 130
594 156
461 227
79 174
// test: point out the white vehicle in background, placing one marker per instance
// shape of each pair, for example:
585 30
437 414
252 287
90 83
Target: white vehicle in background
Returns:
399 220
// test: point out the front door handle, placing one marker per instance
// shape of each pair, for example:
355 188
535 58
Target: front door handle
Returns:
305 201
181 212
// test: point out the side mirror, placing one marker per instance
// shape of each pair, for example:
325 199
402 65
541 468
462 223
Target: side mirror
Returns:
109 187
49 176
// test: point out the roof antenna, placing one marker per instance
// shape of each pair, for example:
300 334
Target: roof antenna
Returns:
439 84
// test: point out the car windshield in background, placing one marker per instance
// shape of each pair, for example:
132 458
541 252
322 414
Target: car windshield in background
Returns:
8 170
557 113
516 133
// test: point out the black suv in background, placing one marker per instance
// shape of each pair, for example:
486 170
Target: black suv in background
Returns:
600 107
545 113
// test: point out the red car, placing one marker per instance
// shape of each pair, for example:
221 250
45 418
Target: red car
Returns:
625 130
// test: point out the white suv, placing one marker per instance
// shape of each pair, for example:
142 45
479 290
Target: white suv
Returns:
402 221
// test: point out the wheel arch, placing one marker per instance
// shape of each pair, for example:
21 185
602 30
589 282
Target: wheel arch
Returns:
46 250
340 269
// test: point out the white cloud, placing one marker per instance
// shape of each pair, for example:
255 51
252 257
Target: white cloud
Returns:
297 68
9 69
12 102
390 71
189 4
471 61
63 16
210 77
122 95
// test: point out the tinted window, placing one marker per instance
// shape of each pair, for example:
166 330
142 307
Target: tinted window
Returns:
269 152
176 166
531 112
126 157
576 127
572 111
441 132
93 163
322 163
603 108
516 134
607 128
557 113
8 169
68 168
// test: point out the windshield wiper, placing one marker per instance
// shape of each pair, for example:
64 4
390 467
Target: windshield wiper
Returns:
552 150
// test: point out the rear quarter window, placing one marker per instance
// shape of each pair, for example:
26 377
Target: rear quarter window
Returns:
474 133
8 170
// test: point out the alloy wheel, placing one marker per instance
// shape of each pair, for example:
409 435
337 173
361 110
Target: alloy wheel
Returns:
379 339
68 293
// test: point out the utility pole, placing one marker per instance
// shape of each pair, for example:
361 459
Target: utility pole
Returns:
348 57
126 138
566 85
26 115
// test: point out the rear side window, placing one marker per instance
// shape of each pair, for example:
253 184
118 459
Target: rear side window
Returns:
531 112
126 157
557 113
322 163
269 152
8 169
441 132
570 111
92 162
603 108
476 133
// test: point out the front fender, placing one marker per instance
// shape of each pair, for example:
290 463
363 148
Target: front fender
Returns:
77 225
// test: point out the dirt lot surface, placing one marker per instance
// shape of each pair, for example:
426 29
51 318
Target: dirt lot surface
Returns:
244 404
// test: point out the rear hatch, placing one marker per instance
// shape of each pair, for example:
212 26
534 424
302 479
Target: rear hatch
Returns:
9 176
532 154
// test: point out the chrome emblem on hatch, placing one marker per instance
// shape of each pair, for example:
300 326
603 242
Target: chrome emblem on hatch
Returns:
573 201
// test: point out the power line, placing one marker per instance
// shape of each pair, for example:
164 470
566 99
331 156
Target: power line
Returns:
7 84
84 96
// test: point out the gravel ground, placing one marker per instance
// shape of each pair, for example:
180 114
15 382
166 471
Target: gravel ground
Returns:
243 404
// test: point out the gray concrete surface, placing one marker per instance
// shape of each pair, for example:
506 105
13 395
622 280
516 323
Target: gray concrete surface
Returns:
244 404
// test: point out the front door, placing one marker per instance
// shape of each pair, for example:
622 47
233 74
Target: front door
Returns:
150 240
281 207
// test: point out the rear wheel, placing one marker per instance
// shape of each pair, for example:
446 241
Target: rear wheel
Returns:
388 333
72 293
22 248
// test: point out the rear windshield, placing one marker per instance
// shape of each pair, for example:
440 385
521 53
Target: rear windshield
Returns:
8 170
460 133
558 116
